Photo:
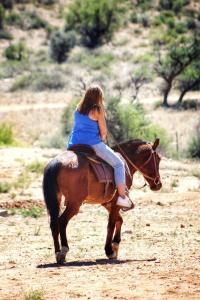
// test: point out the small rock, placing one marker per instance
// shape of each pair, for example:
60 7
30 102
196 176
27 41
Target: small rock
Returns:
160 203
148 224
182 226
3 213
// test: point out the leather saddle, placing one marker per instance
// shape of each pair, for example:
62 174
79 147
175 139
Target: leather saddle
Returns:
103 171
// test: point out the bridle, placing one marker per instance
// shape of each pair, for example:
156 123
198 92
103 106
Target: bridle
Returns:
155 179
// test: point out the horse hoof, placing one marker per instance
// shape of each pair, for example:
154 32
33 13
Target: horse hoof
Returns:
60 257
115 248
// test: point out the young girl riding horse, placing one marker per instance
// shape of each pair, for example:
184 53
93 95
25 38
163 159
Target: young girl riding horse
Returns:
90 129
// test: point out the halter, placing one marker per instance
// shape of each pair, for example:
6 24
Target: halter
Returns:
155 179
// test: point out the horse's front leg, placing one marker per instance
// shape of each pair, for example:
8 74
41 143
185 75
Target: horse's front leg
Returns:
113 216
117 237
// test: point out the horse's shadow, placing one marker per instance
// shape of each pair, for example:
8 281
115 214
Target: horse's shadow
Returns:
96 262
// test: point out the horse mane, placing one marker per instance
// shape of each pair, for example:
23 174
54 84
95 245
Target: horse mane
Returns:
135 145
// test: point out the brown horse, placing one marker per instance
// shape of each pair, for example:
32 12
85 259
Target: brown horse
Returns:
70 175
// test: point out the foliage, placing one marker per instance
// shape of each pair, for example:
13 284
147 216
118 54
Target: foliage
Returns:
34 295
189 80
11 68
175 62
144 4
36 166
127 121
61 43
47 2
6 134
26 20
16 51
4 187
175 5
39 81
94 20
2 17
194 144
5 35
34 212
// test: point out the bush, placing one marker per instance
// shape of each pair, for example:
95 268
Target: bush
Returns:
6 134
4 187
68 117
16 51
5 35
127 121
181 27
2 16
47 2
194 144
39 81
96 21
143 19
145 4
60 44
26 20
175 5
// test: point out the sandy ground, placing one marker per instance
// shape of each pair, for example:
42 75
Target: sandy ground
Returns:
159 254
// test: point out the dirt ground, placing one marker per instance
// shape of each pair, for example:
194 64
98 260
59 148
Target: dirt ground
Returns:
159 254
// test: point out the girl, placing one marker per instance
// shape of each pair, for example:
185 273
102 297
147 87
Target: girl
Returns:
90 129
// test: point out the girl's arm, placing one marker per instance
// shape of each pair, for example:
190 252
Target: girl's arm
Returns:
102 124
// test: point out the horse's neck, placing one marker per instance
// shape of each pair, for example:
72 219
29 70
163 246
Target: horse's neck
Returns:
128 160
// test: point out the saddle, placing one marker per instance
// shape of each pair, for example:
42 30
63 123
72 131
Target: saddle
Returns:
103 171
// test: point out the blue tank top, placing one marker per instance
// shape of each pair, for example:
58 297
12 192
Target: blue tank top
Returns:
85 131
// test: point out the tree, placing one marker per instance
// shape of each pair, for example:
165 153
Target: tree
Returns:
189 80
175 62
94 20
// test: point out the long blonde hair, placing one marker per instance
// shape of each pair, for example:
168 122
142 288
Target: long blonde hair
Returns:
92 100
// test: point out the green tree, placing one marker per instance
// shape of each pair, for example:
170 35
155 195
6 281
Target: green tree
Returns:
175 62
94 20
189 80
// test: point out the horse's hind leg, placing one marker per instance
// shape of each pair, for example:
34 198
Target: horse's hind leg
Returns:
71 210
117 237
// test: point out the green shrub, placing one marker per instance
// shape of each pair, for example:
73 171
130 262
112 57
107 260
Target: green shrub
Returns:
127 121
4 187
16 51
181 27
14 18
194 144
191 24
11 68
36 166
145 4
175 5
2 17
6 134
61 43
26 20
34 212
47 2
5 35
39 81
143 19
96 21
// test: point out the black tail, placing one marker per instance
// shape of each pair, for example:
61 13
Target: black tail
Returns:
50 188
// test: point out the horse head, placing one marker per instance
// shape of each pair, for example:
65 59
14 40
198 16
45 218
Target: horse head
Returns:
150 166
142 156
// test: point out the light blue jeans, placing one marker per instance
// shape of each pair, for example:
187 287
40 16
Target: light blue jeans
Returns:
107 154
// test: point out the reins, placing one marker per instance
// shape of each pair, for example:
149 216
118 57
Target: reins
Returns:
139 169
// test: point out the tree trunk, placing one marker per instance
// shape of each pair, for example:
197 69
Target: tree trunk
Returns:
179 102
166 93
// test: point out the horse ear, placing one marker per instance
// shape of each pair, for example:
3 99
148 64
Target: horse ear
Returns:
156 143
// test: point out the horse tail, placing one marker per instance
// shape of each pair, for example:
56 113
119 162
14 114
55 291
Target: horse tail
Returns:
50 189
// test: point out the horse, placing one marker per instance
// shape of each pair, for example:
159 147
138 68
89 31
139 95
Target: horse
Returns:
69 175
